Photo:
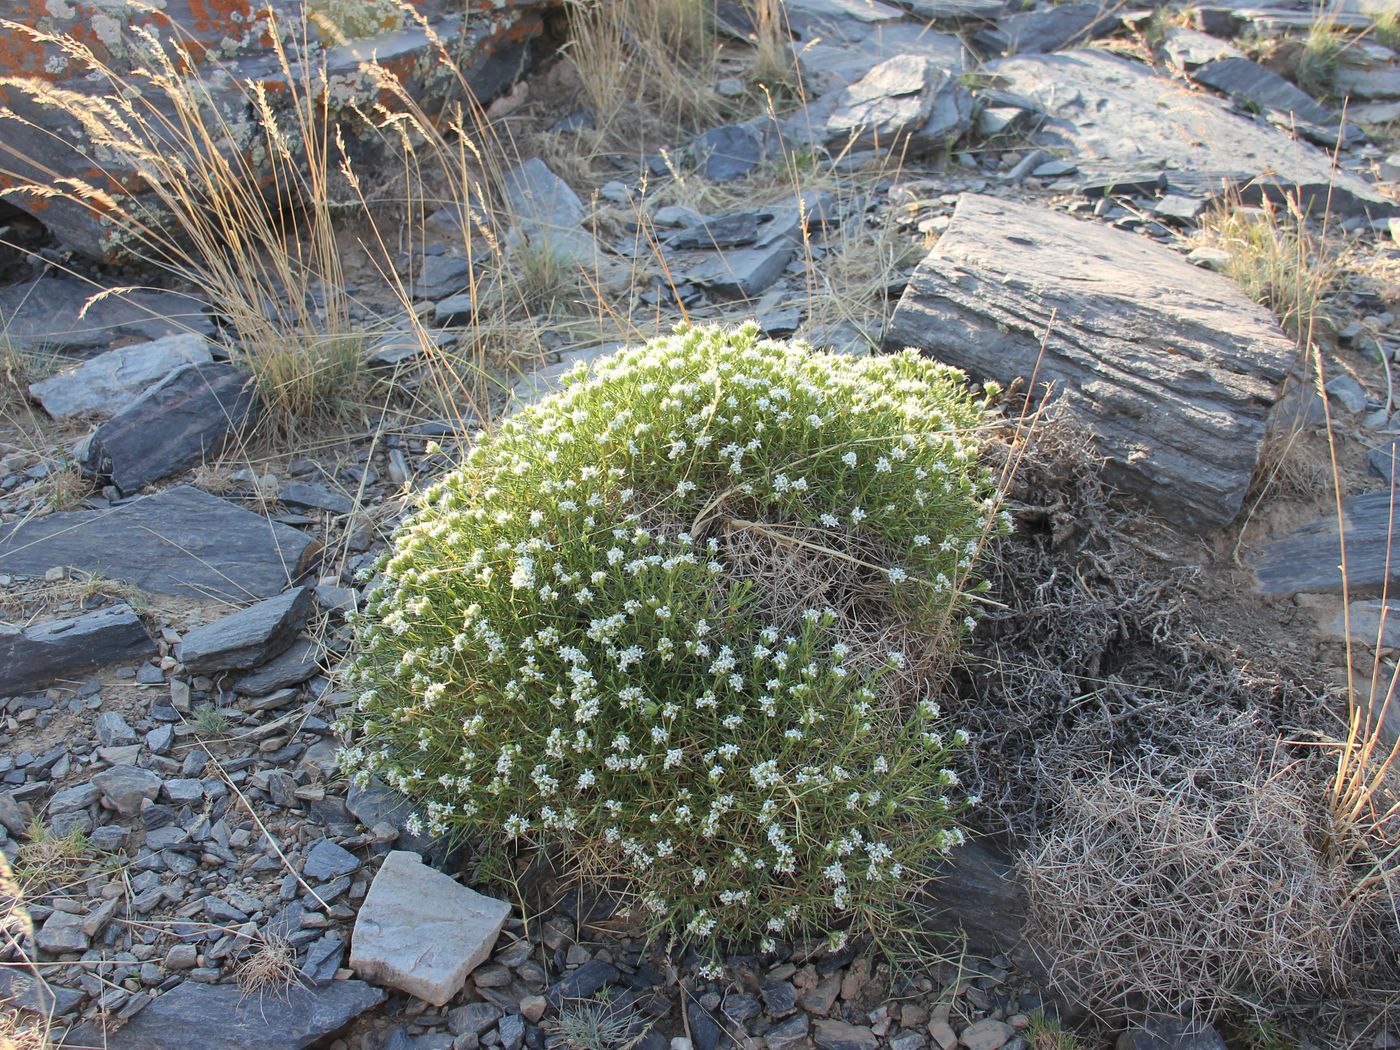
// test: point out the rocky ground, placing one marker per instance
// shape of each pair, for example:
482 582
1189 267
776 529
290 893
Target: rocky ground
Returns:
1016 193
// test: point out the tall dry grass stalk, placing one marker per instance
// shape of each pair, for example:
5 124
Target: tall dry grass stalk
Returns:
241 211
659 53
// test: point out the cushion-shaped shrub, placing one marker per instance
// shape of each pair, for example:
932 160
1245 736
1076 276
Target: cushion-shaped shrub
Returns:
683 621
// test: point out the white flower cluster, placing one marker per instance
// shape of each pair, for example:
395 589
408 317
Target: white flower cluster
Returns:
559 646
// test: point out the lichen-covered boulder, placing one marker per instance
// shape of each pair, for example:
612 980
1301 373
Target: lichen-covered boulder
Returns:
229 51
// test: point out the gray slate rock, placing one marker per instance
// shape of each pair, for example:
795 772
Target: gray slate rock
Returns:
582 982
789 1034
43 315
839 41
1171 1033
308 496
1370 621
728 152
442 275
1384 461
421 932
1262 88
112 730
300 662
1347 393
832 1034
62 932
183 420
1119 119
1307 561
722 231
548 213
32 657
1172 367
326 860
377 804
180 541
1189 48
745 272
1047 29
23 990
250 636
101 385
225 1019
884 106
125 787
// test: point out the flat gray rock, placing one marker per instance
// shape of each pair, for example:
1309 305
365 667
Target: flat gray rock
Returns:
442 275
548 213
310 496
1371 621
1047 29
180 541
1171 367
43 315
1120 120
1261 88
1308 560
746 271
728 152
1188 48
124 787
835 50
377 804
887 104
1370 82
941 10
22 989
326 860
186 418
721 231
250 636
422 933
301 661
220 1017
32 657
104 384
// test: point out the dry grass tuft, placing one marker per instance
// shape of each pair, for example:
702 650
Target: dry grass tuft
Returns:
1319 57
49 863
595 1025
645 58
1277 259
1190 887
271 968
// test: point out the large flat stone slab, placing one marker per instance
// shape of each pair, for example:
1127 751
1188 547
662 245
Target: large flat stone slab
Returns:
1047 29
221 1017
1308 560
248 637
186 418
103 384
1119 120
1173 369
180 541
53 314
35 656
421 932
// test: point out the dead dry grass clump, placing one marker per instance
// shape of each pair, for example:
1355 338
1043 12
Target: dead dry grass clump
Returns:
1169 794
1093 647
1190 885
